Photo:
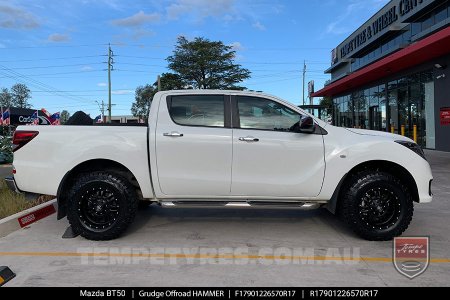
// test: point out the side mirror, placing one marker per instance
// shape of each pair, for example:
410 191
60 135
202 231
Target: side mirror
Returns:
306 125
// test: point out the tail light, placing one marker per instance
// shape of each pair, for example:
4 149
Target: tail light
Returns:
22 137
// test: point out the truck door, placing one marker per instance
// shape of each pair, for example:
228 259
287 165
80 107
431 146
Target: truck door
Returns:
194 145
269 159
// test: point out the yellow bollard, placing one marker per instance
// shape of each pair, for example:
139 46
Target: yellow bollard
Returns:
415 133
403 130
392 129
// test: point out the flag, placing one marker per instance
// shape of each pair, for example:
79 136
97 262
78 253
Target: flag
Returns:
35 118
46 113
47 116
98 119
1 117
5 116
55 118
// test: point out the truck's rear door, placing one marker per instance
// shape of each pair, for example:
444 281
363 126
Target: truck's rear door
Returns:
194 145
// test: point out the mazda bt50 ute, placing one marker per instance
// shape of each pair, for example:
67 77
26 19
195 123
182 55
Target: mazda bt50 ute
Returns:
207 148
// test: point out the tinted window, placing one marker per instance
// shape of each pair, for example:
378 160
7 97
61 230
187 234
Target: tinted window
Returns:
198 110
441 15
259 113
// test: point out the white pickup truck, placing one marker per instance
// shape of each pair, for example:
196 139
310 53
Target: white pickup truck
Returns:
207 148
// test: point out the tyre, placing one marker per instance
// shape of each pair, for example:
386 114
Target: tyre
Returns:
376 205
101 205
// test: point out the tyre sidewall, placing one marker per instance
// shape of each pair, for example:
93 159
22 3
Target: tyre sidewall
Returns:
127 203
358 189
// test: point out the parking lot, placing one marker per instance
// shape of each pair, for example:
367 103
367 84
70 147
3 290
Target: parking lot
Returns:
233 247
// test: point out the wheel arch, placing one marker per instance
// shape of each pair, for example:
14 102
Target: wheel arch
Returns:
380 165
90 166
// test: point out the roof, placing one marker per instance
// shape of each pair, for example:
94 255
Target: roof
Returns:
434 46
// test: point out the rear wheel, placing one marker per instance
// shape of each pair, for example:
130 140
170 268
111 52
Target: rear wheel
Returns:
101 205
376 205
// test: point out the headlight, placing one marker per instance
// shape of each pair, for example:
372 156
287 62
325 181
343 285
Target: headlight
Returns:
413 146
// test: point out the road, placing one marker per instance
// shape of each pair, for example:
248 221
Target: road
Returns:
212 247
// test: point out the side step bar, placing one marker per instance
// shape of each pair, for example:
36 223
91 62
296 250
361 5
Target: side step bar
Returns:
241 204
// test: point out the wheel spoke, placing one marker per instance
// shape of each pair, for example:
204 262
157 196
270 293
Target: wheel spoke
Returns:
378 208
99 207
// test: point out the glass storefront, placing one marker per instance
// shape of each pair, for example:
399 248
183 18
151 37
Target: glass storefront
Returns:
404 106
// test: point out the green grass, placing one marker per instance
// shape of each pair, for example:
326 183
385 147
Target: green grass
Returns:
11 202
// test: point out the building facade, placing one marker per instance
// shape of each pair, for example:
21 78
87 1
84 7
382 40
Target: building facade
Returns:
25 116
393 73
124 119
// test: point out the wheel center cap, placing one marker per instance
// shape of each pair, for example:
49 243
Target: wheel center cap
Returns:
98 208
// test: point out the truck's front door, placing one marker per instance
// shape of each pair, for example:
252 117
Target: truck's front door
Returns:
194 145
269 159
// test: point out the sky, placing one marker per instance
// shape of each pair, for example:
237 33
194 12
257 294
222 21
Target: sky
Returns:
59 48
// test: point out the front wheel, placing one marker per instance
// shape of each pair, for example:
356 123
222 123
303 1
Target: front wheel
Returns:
101 205
376 205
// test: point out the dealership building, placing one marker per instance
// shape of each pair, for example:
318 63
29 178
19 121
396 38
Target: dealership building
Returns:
393 73
24 116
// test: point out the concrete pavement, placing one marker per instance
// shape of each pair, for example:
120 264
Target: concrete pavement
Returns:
212 247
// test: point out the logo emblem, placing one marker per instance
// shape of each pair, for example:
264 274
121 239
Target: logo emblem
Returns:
411 255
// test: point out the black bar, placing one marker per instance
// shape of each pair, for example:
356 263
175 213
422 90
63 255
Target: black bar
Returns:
223 293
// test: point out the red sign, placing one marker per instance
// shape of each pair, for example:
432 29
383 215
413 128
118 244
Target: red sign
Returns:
445 116
411 255
36 216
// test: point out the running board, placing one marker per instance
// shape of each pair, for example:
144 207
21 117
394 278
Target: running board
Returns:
242 204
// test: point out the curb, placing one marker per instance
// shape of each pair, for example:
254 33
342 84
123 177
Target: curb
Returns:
27 217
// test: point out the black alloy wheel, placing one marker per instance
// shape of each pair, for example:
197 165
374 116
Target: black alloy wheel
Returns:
376 205
101 205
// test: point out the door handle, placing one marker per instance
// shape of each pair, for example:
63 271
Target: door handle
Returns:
173 134
249 139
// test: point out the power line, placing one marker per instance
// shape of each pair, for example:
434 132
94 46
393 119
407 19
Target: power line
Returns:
26 79
53 58
141 57
146 65
54 46
277 80
62 73
241 62
56 66
80 91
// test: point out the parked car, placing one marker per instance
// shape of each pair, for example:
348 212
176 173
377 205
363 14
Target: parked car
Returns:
205 148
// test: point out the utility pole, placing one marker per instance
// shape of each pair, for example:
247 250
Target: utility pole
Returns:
304 73
110 68
159 83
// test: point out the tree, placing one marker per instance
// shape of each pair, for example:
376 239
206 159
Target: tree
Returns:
170 81
65 115
327 102
143 99
5 98
20 95
205 64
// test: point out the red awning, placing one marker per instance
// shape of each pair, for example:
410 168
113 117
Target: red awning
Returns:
436 45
